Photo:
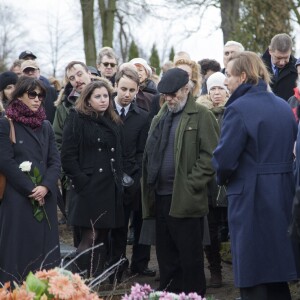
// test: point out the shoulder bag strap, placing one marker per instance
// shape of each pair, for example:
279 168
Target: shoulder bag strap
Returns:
12 134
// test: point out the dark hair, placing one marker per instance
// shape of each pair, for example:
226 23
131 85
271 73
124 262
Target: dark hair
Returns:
82 103
130 73
207 64
71 64
25 84
281 42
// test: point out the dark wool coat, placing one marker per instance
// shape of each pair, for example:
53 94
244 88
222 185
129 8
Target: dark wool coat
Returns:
283 85
91 150
25 242
134 131
254 158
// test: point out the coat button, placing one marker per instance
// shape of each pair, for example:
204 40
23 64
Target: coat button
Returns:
112 149
112 159
100 170
98 139
99 149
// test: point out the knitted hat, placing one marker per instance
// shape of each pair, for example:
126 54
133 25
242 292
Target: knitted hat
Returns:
7 78
216 79
141 61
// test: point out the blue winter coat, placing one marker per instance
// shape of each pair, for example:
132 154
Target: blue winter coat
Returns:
254 158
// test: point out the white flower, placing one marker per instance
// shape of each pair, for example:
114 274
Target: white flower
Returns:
25 166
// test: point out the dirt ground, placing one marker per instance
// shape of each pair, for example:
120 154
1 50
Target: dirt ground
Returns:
226 292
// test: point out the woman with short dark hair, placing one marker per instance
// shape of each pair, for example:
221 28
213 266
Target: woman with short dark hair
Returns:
28 216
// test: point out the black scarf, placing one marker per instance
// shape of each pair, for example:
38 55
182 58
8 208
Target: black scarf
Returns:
156 146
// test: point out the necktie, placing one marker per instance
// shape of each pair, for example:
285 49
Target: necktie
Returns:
276 72
122 115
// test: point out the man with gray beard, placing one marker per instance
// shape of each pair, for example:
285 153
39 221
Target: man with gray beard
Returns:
176 169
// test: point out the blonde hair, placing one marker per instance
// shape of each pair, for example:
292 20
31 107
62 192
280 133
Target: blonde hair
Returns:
195 78
251 64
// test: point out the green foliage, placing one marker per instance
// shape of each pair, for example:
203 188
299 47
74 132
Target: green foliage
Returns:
133 51
35 285
154 58
172 54
260 21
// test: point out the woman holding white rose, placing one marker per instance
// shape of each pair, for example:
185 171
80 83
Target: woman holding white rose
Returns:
28 221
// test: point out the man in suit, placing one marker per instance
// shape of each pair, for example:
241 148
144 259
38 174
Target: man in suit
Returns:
135 128
280 63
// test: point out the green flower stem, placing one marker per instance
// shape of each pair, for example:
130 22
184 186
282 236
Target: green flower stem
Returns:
46 217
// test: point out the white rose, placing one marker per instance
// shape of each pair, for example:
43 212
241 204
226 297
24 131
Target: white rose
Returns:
25 166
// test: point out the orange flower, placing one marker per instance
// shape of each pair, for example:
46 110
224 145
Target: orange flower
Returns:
46 274
61 287
21 294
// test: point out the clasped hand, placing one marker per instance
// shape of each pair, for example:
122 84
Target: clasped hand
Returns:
39 193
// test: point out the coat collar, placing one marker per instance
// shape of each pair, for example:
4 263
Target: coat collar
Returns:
244 88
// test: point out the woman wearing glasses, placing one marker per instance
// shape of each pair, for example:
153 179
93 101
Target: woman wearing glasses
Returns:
28 241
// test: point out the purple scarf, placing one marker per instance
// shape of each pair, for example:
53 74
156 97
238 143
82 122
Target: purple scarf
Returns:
20 112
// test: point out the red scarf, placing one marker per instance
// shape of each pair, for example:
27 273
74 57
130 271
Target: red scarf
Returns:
20 112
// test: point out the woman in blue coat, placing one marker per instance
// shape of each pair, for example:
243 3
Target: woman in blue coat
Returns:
28 242
254 159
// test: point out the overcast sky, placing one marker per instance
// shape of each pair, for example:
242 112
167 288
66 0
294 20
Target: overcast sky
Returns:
35 15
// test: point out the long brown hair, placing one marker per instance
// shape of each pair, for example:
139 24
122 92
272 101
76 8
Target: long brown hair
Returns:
82 104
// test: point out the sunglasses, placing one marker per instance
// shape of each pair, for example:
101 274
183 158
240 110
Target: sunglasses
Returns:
34 94
106 64
29 70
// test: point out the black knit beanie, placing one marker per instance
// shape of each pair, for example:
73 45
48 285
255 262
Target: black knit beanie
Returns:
7 78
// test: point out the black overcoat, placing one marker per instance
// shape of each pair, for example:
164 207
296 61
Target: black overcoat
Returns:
91 152
282 86
25 242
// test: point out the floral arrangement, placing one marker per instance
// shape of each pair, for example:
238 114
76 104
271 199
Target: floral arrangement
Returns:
141 292
39 213
56 284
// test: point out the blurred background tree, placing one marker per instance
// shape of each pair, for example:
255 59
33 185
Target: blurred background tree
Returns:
133 51
259 21
154 59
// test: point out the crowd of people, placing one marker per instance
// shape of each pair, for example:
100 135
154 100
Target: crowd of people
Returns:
178 158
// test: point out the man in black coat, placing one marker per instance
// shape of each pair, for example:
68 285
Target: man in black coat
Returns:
280 62
135 128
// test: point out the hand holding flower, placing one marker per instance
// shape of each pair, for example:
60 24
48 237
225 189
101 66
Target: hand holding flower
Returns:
39 193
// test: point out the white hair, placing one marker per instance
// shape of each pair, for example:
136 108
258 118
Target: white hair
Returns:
234 43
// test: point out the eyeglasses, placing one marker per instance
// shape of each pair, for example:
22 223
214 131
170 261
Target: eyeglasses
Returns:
33 94
106 64
29 70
